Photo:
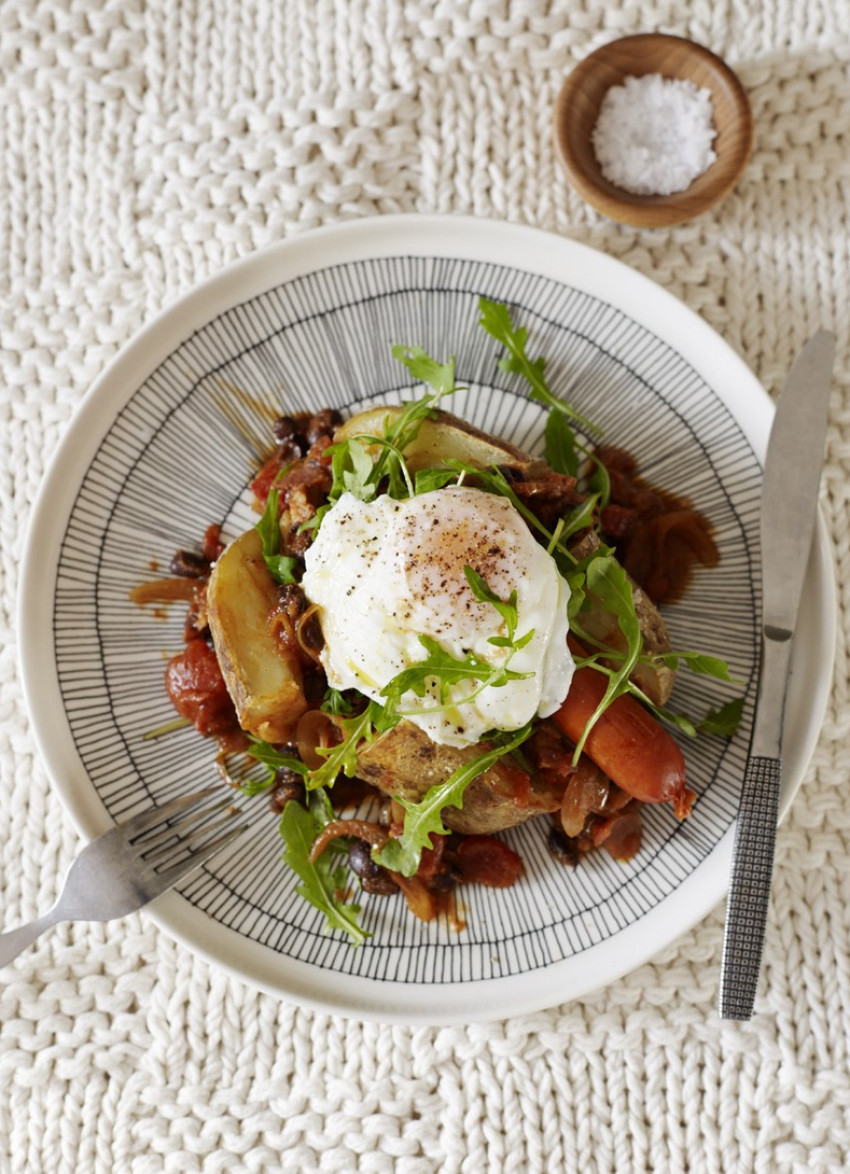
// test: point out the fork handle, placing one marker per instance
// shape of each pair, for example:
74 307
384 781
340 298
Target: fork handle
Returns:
15 941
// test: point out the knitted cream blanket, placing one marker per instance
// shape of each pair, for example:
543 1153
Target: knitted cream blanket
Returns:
146 145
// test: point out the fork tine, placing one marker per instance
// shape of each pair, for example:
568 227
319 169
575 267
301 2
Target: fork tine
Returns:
136 824
186 843
164 880
162 835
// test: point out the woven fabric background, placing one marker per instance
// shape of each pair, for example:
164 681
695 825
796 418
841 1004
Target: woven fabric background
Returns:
145 144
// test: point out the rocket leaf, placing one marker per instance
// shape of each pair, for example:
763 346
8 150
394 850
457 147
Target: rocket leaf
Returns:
280 566
723 721
343 756
561 452
439 376
322 880
496 320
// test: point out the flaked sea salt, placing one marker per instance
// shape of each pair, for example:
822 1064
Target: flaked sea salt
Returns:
654 135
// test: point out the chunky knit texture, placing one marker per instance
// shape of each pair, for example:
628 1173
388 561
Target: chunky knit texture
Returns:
143 147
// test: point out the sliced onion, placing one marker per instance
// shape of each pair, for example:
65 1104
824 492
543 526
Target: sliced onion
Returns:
315 729
624 832
420 900
586 792
303 619
179 589
361 829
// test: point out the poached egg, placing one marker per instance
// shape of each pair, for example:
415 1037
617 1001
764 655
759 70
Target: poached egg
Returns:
384 572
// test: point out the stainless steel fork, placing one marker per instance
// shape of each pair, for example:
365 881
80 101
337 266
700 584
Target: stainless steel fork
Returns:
133 863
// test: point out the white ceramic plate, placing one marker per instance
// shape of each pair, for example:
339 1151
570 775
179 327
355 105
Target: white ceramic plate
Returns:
162 446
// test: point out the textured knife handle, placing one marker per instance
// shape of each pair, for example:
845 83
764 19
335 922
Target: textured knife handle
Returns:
749 893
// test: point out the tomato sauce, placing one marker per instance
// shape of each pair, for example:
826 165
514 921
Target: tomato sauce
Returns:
659 537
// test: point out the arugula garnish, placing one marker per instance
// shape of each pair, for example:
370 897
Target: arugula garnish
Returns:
423 820
698 662
723 721
336 703
607 582
323 880
563 450
560 451
507 609
583 517
440 377
599 481
343 756
427 480
496 320
357 471
445 670
281 566
274 760
359 479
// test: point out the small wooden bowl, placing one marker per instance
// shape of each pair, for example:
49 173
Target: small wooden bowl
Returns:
577 111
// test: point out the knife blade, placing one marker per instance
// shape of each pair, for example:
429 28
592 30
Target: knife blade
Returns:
792 474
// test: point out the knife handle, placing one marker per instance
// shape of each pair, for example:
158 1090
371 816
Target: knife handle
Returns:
749 892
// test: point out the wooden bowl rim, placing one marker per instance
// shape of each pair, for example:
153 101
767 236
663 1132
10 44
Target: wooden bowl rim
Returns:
654 211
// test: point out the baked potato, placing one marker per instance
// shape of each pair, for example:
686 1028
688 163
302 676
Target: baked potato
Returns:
404 763
263 680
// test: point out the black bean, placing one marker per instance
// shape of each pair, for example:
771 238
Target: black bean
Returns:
381 885
298 543
443 882
322 423
292 599
562 847
288 786
373 877
189 565
314 684
284 428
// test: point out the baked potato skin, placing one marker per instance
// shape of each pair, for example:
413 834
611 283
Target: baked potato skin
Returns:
443 438
405 763
264 683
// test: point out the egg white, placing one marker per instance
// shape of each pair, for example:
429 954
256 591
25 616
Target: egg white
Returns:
383 572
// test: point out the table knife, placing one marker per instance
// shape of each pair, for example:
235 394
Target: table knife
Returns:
792 473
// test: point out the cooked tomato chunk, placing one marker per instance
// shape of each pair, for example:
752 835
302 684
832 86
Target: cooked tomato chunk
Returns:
197 690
